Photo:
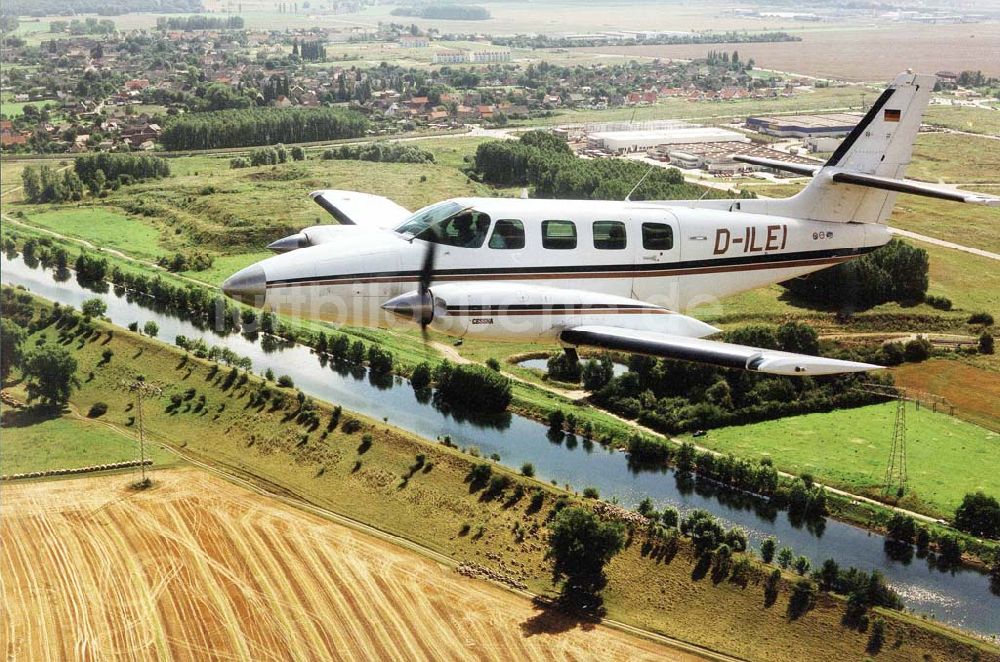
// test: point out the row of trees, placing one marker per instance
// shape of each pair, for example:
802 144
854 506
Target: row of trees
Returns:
676 396
546 163
44 184
542 40
199 22
445 11
95 170
268 156
894 272
261 126
385 152
48 369
99 7
87 26
314 50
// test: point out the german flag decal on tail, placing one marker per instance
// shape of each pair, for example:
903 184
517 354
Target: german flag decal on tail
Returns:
891 115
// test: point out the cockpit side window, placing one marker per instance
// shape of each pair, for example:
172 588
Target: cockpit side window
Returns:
466 229
508 233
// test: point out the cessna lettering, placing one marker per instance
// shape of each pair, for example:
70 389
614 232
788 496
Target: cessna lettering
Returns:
771 238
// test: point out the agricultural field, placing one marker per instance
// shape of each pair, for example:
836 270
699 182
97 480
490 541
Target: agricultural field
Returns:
206 579
197 564
849 449
973 389
522 17
846 53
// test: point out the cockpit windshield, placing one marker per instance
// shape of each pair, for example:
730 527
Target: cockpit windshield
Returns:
448 223
427 216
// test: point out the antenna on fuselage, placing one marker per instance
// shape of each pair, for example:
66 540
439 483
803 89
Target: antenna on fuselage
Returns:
628 198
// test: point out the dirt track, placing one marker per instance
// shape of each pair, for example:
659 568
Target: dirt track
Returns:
198 568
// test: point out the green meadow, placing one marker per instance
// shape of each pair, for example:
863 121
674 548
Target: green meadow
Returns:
849 449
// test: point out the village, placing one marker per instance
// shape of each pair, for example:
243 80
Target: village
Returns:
116 90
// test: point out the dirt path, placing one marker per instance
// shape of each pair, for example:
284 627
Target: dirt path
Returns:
200 567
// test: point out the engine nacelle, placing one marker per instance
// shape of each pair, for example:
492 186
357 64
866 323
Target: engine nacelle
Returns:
517 312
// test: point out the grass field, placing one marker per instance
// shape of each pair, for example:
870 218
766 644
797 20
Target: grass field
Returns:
198 566
27 444
202 595
946 457
102 227
955 159
973 120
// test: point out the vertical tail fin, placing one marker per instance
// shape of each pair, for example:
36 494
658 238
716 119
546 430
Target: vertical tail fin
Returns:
880 146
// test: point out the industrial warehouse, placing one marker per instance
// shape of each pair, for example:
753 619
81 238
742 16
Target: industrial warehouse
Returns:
805 126
624 138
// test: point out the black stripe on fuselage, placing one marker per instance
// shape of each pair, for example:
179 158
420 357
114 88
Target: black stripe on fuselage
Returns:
862 126
517 308
772 261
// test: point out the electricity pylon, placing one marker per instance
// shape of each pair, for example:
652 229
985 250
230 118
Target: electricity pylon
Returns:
142 389
895 471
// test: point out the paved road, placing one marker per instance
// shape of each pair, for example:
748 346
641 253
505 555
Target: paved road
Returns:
946 244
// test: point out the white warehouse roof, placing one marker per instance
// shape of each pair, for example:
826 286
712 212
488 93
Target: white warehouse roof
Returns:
616 141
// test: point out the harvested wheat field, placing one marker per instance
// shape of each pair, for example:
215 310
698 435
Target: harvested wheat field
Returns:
198 568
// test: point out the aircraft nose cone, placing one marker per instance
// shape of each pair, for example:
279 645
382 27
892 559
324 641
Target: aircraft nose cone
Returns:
404 306
412 307
247 286
289 243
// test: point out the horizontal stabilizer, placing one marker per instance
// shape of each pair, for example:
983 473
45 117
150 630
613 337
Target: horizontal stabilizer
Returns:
698 350
354 208
797 168
915 188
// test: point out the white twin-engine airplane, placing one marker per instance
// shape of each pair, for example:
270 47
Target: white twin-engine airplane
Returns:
599 274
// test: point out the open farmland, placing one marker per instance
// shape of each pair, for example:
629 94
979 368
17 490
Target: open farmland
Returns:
974 391
198 567
858 54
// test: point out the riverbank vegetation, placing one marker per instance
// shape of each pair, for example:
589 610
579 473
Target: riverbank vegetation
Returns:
434 495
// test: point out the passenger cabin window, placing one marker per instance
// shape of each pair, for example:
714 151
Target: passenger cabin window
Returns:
657 237
464 230
507 233
559 235
609 235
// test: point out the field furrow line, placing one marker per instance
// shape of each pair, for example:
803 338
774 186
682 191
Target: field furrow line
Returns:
13 591
215 596
304 596
278 616
140 597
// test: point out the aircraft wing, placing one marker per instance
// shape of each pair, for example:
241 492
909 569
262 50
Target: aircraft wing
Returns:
712 352
353 208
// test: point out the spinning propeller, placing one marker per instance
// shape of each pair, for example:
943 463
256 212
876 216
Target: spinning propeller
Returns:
418 306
